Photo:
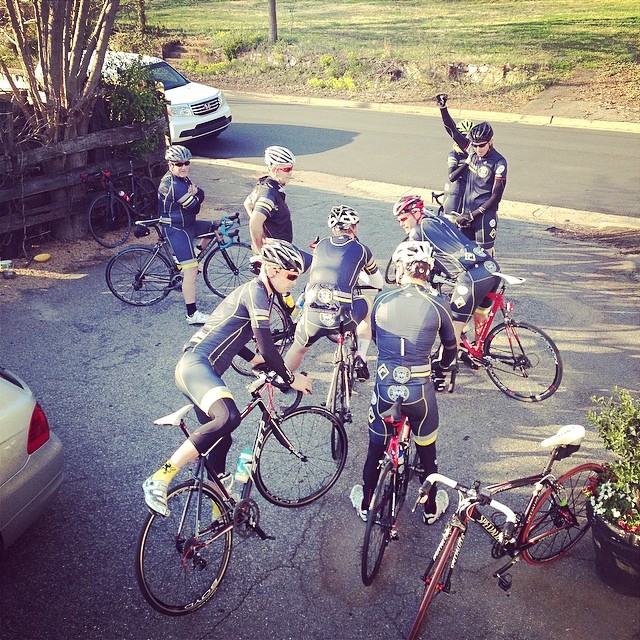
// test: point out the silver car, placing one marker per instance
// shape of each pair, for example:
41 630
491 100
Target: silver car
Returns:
30 459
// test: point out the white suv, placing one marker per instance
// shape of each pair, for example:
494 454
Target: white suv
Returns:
194 109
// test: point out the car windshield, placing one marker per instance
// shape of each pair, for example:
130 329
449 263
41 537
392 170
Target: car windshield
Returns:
170 78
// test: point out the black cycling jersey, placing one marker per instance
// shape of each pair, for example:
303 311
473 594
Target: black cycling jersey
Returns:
457 174
243 314
268 199
176 206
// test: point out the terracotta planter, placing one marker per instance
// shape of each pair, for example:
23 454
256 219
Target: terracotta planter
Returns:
617 556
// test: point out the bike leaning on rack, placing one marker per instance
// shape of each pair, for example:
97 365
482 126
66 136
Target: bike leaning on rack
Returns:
181 558
142 275
553 521
396 469
111 212
520 359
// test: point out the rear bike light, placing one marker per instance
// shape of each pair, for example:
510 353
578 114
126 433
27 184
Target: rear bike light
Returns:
38 430
509 306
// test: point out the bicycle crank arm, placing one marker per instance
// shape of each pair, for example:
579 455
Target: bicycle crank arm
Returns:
260 532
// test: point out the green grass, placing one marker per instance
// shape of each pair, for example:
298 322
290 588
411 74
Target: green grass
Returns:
405 46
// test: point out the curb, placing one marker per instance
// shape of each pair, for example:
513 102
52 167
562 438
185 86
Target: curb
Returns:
456 114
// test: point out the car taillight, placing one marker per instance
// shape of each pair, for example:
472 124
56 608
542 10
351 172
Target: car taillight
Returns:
38 430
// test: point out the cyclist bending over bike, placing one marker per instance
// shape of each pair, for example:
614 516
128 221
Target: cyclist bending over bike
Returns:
335 268
458 258
242 315
406 322
179 203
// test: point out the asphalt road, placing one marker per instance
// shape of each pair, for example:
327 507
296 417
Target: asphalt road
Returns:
104 371
564 166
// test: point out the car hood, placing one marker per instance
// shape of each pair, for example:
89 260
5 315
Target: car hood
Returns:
191 92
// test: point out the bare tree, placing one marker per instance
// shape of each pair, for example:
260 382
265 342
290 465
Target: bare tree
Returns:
273 22
61 47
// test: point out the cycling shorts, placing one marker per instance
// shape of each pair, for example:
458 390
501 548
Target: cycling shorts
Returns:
471 289
483 230
182 241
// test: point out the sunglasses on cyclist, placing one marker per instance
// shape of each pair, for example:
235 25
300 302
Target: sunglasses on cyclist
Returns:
292 277
285 169
186 163
479 145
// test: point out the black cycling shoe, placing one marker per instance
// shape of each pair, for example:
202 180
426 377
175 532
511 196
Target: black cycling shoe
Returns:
463 356
361 369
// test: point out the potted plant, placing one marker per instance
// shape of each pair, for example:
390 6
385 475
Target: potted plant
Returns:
614 494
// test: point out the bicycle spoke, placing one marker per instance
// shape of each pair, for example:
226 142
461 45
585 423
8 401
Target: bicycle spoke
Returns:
178 570
109 221
226 269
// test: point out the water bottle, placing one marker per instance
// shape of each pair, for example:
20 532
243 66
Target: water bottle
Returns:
400 459
123 195
243 468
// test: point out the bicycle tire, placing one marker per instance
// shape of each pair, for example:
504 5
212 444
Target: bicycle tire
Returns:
140 276
226 269
145 197
435 578
109 220
280 332
380 517
558 527
404 476
172 581
289 479
523 361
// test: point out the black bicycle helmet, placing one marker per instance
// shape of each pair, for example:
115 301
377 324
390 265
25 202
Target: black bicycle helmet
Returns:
481 132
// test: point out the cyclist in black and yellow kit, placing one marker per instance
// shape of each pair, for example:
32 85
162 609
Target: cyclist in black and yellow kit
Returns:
329 295
179 201
406 322
486 180
457 257
242 315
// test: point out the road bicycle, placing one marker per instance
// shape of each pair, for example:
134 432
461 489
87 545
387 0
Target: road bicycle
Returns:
520 359
436 209
397 466
143 275
553 521
181 559
341 385
111 212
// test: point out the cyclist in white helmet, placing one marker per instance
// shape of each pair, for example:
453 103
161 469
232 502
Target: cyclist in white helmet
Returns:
179 201
269 215
244 314
329 296
406 321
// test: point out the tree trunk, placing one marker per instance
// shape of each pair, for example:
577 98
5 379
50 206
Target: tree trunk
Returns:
273 22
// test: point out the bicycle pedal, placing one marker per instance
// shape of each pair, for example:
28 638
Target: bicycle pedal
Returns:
393 535
504 581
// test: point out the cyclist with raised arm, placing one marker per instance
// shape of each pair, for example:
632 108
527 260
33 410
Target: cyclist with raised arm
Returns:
179 201
241 316
337 263
266 206
405 323
457 170
458 258
486 180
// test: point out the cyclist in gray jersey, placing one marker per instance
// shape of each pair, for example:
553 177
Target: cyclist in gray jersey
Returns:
406 323
329 295
242 315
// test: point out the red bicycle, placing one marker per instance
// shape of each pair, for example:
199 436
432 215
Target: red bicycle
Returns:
520 359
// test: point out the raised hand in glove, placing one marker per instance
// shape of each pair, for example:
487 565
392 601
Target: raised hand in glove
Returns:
464 220
441 100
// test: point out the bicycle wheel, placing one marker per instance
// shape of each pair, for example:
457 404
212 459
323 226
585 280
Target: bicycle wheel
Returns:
109 220
436 578
226 269
380 521
524 363
140 276
404 476
559 519
178 570
282 333
145 197
295 475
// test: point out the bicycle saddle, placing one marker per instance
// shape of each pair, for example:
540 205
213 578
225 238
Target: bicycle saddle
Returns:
173 419
570 434
510 279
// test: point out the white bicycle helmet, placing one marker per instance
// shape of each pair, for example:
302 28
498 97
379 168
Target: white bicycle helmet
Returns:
283 254
177 153
342 217
413 251
278 156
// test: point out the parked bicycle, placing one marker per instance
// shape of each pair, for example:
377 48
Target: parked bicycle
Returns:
143 275
520 359
181 559
553 521
396 469
111 212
